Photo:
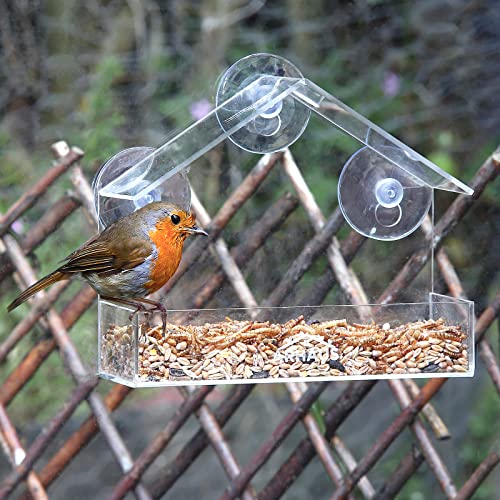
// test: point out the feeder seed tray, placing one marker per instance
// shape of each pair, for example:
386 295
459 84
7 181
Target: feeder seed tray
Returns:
385 191
243 350
247 349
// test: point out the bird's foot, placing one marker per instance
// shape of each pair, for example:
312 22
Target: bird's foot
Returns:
147 315
157 306
140 305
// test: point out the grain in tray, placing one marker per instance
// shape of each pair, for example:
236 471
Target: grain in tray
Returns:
234 349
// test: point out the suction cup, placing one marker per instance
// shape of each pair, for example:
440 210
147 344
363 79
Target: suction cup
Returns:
175 189
276 127
379 199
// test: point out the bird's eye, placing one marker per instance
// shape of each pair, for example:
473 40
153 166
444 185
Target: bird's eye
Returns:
175 218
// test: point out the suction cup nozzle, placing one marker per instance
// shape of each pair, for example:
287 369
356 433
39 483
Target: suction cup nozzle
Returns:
109 209
278 125
379 199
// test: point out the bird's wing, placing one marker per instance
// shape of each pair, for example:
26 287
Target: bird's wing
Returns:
104 255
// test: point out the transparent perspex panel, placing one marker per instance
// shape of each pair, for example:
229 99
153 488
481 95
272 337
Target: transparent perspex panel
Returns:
385 191
227 119
117 357
263 105
427 339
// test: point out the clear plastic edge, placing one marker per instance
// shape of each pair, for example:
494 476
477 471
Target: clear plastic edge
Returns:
99 336
373 136
437 298
201 136
194 141
344 378
443 299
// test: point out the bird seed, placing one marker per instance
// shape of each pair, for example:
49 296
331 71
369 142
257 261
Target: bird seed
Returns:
234 349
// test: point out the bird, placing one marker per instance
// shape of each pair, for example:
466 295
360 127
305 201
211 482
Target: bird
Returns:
132 258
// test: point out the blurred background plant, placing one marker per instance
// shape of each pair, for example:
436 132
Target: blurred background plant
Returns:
105 75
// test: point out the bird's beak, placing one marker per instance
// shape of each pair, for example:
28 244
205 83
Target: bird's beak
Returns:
195 230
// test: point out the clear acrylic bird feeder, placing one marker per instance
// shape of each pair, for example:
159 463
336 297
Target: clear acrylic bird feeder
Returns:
385 191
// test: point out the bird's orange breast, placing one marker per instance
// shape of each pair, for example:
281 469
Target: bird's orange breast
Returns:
169 252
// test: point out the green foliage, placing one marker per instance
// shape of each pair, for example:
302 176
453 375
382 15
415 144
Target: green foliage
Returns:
176 109
15 167
346 63
318 412
99 116
52 385
491 194
483 431
443 160
415 488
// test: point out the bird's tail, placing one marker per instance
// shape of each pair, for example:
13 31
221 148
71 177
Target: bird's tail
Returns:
36 287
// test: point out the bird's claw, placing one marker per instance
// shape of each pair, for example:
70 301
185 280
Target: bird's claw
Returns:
140 306
164 323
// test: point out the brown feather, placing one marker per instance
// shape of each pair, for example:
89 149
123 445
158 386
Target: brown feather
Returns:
104 256
124 245
100 254
36 287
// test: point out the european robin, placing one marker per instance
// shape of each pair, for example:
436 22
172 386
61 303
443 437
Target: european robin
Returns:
131 258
